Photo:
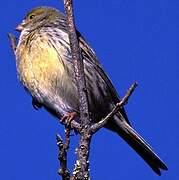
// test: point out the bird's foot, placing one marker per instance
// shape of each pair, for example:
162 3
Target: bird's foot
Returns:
69 117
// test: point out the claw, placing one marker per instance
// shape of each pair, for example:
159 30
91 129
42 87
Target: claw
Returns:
69 117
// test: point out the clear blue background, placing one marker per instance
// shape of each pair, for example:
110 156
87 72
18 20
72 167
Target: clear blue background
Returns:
135 40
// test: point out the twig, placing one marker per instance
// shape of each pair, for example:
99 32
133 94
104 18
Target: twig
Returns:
81 170
95 127
13 41
62 156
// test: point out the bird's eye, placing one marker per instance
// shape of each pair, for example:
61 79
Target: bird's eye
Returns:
31 16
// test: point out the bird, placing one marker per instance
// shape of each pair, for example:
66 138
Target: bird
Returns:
45 69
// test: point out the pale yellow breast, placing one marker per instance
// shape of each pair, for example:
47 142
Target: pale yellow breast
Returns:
38 65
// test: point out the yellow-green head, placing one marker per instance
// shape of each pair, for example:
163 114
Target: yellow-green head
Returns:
38 17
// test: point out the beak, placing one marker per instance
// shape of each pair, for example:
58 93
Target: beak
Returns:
20 27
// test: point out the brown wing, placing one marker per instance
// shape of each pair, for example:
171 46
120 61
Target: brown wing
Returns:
92 59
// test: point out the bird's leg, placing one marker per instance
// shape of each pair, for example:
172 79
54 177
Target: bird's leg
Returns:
69 117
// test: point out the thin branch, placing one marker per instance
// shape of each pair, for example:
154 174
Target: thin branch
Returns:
95 127
13 41
62 156
81 170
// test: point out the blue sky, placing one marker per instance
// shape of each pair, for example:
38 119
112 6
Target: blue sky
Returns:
135 40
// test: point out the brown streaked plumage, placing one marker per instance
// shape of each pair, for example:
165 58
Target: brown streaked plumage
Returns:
45 68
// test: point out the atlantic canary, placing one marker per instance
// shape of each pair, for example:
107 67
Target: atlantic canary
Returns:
45 68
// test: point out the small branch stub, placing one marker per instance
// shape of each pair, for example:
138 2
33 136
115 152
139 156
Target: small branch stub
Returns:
13 41
62 156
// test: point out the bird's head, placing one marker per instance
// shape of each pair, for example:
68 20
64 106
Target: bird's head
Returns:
38 17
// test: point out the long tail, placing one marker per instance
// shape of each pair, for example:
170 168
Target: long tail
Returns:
140 146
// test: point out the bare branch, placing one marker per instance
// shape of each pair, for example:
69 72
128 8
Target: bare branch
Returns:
81 171
62 156
124 101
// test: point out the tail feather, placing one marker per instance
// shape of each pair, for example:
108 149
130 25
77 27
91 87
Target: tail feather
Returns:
140 146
